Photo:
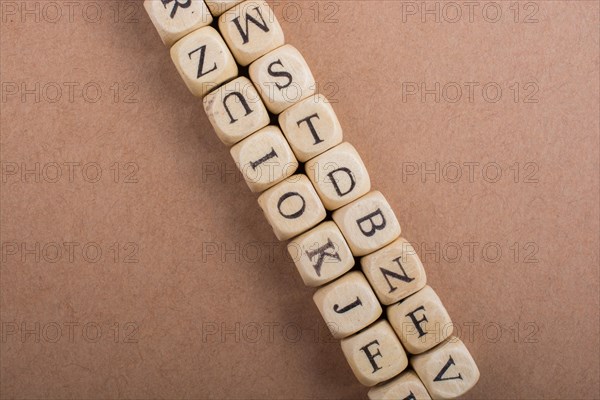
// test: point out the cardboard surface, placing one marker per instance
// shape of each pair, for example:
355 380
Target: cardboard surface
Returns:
122 214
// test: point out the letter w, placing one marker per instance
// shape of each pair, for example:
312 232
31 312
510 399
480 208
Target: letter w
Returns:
245 34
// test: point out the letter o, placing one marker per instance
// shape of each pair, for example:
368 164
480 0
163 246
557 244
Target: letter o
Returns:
94 178
57 12
248 256
293 215
250 327
57 95
97 10
58 332
250 174
294 339
457 175
457 12
86 95
86 335
57 329
57 253
86 254
456 97
498 9
292 93
498 329
486 95
486 257
298 12
497 176
57 174
458 252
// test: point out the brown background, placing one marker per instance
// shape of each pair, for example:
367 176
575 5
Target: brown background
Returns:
213 307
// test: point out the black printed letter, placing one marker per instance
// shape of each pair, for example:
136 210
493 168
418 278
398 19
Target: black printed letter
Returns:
417 322
335 183
250 18
387 274
371 356
312 128
349 307
201 72
374 227
177 4
322 252
440 376
295 214
242 100
277 74
267 157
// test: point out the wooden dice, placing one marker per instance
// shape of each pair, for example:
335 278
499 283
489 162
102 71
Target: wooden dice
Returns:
251 30
283 78
264 158
339 175
243 110
175 19
203 60
292 207
421 321
368 223
347 304
406 386
375 354
321 254
235 110
395 272
448 371
311 127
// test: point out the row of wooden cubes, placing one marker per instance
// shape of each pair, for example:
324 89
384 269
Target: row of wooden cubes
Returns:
416 328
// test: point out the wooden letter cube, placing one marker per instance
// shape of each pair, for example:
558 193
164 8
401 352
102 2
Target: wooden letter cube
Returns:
264 158
375 354
251 30
283 78
235 110
407 386
421 321
203 60
218 7
174 20
368 223
311 127
448 371
339 175
395 272
292 207
347 304
321 254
